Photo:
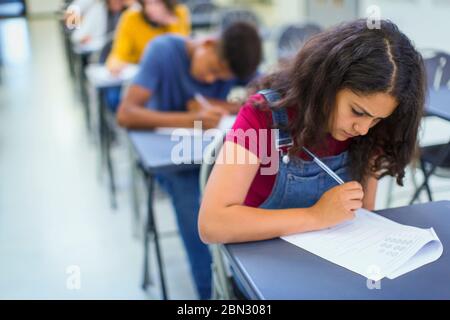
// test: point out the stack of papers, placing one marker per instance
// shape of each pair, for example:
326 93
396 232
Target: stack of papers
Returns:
372 246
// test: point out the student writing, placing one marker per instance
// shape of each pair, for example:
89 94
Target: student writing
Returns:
173 70
352 95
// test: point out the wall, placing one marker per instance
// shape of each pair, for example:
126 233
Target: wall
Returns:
36 7
426 22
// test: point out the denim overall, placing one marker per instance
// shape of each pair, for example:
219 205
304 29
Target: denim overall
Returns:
299 183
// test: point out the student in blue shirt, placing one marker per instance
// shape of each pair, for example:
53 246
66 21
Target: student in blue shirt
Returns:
173 70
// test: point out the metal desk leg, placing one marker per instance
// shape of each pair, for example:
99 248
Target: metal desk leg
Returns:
151 231
135 201
67 47
105 147
426 184
83 62
101 128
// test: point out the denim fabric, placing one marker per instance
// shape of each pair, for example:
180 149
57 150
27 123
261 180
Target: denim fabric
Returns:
112 97
300 183
184 190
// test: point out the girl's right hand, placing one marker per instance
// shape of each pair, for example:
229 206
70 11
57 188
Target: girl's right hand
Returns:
338 205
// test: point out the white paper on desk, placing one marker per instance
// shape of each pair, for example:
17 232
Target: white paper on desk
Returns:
100 75
372 246
225 123
179 131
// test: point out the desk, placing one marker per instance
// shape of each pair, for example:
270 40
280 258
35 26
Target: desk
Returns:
81 56
93 46
154 153
100 78
276 269
438 105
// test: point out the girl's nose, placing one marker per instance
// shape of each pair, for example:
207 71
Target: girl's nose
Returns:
362 128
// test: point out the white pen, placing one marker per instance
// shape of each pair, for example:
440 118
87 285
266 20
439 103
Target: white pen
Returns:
203 102
324 167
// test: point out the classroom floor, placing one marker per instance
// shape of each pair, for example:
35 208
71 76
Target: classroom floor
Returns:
54 207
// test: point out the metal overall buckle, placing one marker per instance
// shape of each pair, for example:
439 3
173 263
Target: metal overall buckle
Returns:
283 145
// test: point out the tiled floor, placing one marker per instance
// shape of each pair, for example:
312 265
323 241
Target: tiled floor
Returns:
54 206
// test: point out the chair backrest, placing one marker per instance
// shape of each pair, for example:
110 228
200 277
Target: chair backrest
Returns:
204 13
209 157
445 71
292 38
437 67
230 16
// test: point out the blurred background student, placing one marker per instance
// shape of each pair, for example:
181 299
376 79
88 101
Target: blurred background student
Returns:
138 27
99 21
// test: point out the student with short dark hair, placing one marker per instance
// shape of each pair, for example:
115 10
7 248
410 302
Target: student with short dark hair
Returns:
173 70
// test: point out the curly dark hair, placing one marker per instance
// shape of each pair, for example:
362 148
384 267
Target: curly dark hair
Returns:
365 61
240 45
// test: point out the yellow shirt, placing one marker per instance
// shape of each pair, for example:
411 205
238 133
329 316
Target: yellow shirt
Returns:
133 33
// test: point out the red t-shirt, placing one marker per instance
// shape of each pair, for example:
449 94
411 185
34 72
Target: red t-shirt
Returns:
252 118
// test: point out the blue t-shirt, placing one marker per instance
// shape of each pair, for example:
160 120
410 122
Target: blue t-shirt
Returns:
165 71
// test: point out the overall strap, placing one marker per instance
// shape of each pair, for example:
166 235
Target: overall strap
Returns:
283 139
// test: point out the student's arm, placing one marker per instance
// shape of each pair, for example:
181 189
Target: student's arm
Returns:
224 219
230 108
133 114
93 23
122 45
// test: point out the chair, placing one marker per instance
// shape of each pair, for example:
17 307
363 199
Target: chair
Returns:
222 282
204 14
230 16
436 67
435 159
292 37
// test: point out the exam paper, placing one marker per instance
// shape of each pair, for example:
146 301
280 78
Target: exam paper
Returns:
372 246
99 75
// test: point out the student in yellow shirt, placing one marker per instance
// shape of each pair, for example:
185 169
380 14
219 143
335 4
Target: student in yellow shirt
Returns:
137 27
